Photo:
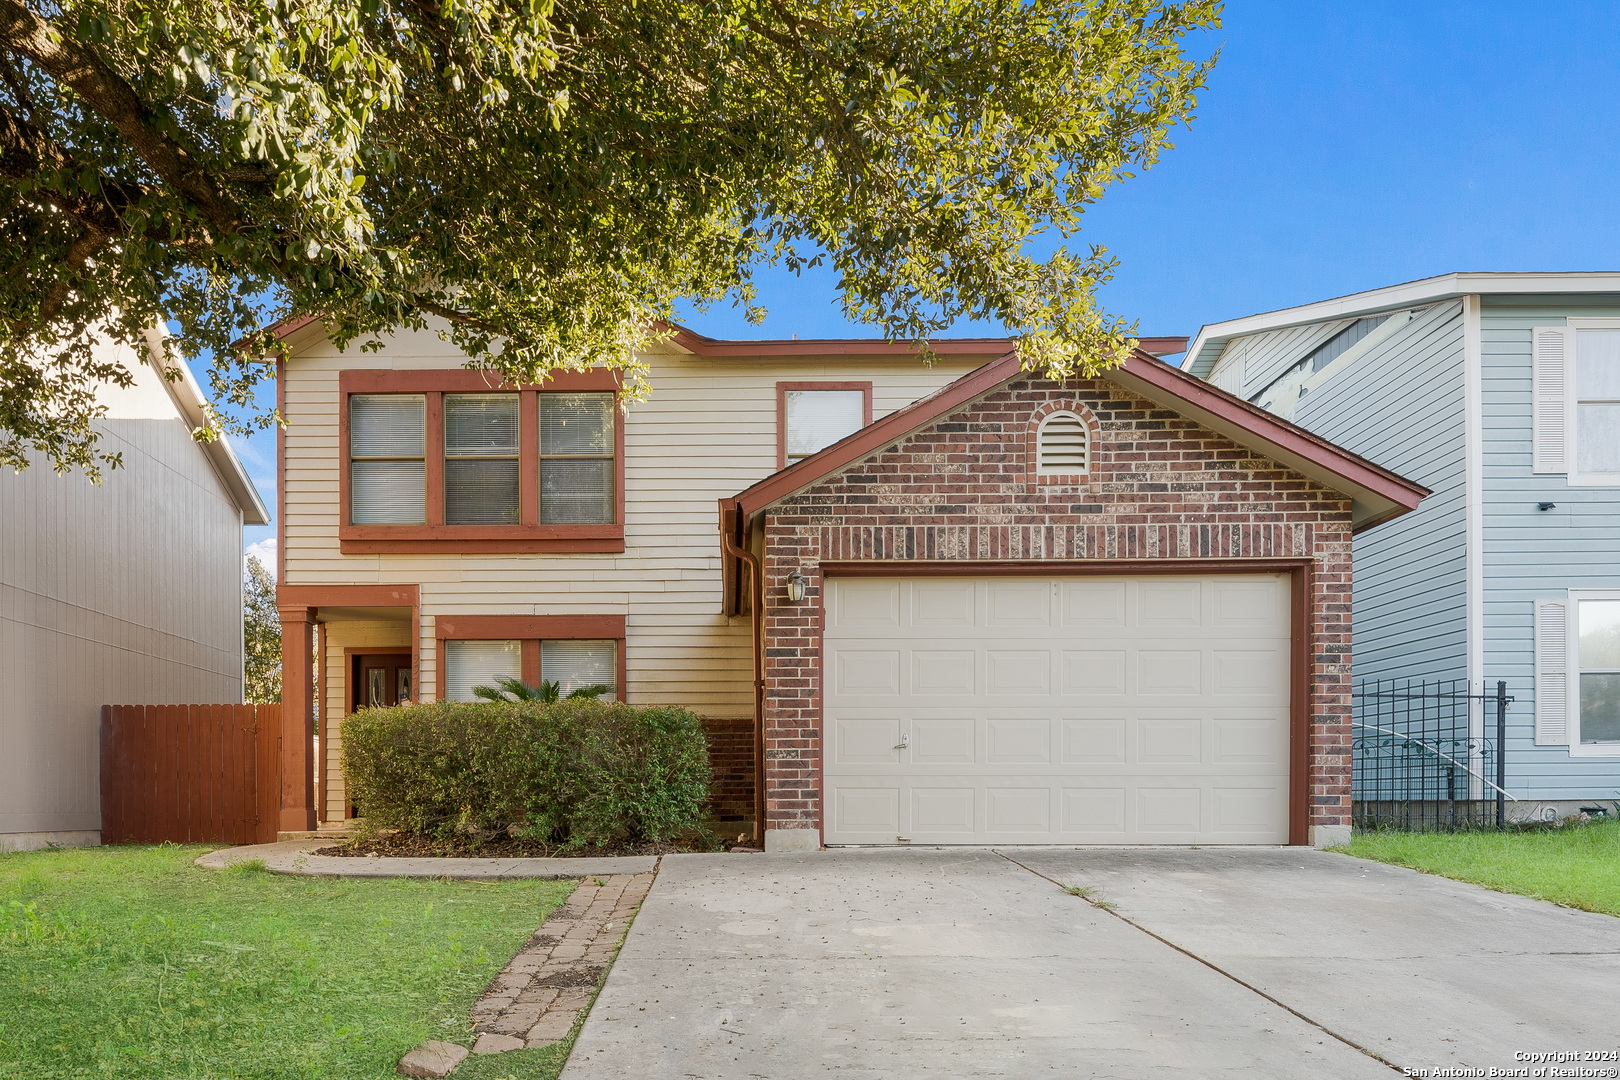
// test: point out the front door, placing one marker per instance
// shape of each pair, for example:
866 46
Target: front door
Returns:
381 680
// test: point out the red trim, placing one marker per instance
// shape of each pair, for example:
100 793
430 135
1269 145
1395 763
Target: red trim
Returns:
1175 384
434 536
465 381
529 631
782 389
318 596
1302 683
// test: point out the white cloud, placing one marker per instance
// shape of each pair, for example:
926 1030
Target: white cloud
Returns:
264 551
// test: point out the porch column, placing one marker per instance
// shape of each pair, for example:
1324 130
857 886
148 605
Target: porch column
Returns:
297 720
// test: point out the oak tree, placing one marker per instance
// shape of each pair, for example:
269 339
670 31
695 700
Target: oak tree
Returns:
542 181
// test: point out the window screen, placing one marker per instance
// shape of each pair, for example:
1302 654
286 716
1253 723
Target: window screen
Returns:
572 664
1597 395
576 459
469 664
387 472
481 459
818 418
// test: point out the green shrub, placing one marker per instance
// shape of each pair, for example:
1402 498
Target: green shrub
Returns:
572 772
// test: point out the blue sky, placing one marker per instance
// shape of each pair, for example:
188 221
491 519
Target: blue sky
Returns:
1338 147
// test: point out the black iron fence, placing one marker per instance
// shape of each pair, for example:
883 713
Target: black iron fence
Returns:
1422 760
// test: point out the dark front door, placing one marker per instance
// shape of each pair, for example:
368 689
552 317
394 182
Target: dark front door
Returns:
382 680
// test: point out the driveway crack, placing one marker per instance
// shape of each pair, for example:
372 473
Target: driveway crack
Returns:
1283 1005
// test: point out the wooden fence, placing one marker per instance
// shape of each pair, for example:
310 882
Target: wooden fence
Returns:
190 773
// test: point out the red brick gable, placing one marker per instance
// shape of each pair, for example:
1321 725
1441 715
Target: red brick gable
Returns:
960 489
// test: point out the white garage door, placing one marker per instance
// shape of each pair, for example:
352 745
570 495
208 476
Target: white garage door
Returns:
1071 710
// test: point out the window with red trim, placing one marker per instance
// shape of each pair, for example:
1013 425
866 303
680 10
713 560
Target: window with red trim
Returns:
442 460
811 416
572 651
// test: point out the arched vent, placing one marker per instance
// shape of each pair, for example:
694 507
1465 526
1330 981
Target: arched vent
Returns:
1063 445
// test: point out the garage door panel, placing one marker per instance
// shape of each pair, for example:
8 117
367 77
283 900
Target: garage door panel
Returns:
1019 602
943 671
1018 810
1092 604
943 605
1023 672
1163 719
865 605
1163 672
937 740
865 740
1093 742
1170 741
948 810
1094 673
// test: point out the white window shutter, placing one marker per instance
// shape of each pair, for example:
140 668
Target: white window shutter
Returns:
1549 378
1552 673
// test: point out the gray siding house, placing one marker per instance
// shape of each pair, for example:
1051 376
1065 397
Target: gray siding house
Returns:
1501 393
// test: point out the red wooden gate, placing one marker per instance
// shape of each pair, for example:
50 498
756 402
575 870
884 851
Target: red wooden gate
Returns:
190 773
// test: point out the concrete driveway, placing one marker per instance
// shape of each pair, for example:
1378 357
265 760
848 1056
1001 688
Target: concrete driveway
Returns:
962 962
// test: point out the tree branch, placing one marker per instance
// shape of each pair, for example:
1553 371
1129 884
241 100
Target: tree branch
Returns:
101 88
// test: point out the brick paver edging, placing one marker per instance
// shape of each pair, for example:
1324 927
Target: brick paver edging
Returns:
536 998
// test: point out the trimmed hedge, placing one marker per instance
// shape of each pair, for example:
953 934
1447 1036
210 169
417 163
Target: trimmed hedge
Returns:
572 772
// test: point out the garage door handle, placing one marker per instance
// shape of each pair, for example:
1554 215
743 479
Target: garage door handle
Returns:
905 741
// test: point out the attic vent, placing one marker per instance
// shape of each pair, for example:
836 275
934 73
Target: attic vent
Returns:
1063 449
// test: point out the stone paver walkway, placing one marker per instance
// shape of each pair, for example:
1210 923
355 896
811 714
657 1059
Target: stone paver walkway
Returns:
536 998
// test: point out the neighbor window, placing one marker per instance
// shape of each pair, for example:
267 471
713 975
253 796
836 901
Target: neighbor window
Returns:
1597 401
1598 659
815 415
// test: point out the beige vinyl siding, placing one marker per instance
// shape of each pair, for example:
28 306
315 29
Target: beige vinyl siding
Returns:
708 431
348 634
124 593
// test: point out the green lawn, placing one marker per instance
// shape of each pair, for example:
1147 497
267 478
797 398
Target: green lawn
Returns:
132 963
1577 866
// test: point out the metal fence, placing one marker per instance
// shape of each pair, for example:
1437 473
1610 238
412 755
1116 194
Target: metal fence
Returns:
1422 760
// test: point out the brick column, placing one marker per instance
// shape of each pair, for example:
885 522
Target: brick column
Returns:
297 720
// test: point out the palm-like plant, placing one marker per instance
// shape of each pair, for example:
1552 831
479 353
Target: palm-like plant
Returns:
547 693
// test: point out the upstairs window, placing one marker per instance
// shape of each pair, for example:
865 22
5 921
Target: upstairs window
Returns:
1063 446
481 480
576 459
387 463
1597 403
813 416
437 460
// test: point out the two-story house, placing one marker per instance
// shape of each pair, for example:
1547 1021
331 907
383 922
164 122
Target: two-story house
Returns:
946 604
1501 393
123 592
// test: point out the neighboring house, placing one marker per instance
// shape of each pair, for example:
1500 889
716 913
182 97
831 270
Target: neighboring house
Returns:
127 592
993 608
1501 392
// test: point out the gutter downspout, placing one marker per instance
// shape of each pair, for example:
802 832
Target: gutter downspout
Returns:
733 519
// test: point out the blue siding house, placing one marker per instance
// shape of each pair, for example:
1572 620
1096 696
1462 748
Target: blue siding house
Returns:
1501 393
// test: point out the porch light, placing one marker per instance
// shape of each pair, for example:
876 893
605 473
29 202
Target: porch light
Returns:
795 587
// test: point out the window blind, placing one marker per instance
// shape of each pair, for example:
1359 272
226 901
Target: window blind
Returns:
481 474
576 459
818 418
469 664
1597 401
387 472
573 664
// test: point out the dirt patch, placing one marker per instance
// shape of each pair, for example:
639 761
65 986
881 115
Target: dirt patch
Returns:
561 980
404 846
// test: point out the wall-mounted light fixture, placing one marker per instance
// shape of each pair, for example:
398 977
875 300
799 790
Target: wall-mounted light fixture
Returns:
795 587
1545 505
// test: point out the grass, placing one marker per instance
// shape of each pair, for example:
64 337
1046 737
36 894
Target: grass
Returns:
133 964
1577 866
